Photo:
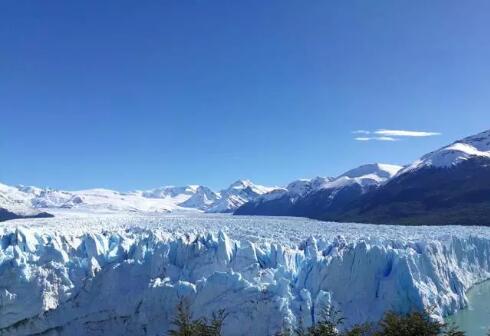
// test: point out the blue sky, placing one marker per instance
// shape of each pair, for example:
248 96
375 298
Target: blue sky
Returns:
130 94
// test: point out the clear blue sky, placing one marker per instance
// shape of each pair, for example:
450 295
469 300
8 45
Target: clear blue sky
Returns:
138 94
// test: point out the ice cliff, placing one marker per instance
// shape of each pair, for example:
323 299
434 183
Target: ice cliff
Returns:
128 281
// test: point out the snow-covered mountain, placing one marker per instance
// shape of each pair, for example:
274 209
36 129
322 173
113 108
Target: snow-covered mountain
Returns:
95 200
321 194
26 200
203 198
15 204
191 196
302 187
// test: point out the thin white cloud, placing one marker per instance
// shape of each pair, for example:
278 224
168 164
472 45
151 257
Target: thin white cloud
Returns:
383 138
404 133
383 134
386 138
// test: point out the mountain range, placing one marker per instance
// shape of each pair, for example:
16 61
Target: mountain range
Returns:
448 186
320 195
21 201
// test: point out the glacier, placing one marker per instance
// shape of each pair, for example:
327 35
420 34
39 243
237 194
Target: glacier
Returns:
124 274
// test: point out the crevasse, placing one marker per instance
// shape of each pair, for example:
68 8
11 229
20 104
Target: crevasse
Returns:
129 282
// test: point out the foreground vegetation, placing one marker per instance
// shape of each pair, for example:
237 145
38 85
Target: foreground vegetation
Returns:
393 324
184 325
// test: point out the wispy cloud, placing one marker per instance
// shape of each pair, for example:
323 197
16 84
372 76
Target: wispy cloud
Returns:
382 134
404 133
361 132
382 138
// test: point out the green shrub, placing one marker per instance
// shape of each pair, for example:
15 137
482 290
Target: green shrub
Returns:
392 324
413 324
186 326
330 324
417 323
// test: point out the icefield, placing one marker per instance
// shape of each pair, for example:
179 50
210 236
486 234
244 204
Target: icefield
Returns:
124 274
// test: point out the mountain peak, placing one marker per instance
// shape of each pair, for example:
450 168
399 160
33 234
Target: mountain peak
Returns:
303 186
241 183
474 146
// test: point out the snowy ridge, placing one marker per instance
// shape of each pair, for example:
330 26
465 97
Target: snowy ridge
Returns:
237 194
107 277
296 189
366 176
470 147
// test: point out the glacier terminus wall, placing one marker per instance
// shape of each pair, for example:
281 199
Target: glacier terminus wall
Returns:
115 276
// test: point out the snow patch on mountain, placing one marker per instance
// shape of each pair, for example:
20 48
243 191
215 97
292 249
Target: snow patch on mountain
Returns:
304 186
367 175
115 275
380 170
237 194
